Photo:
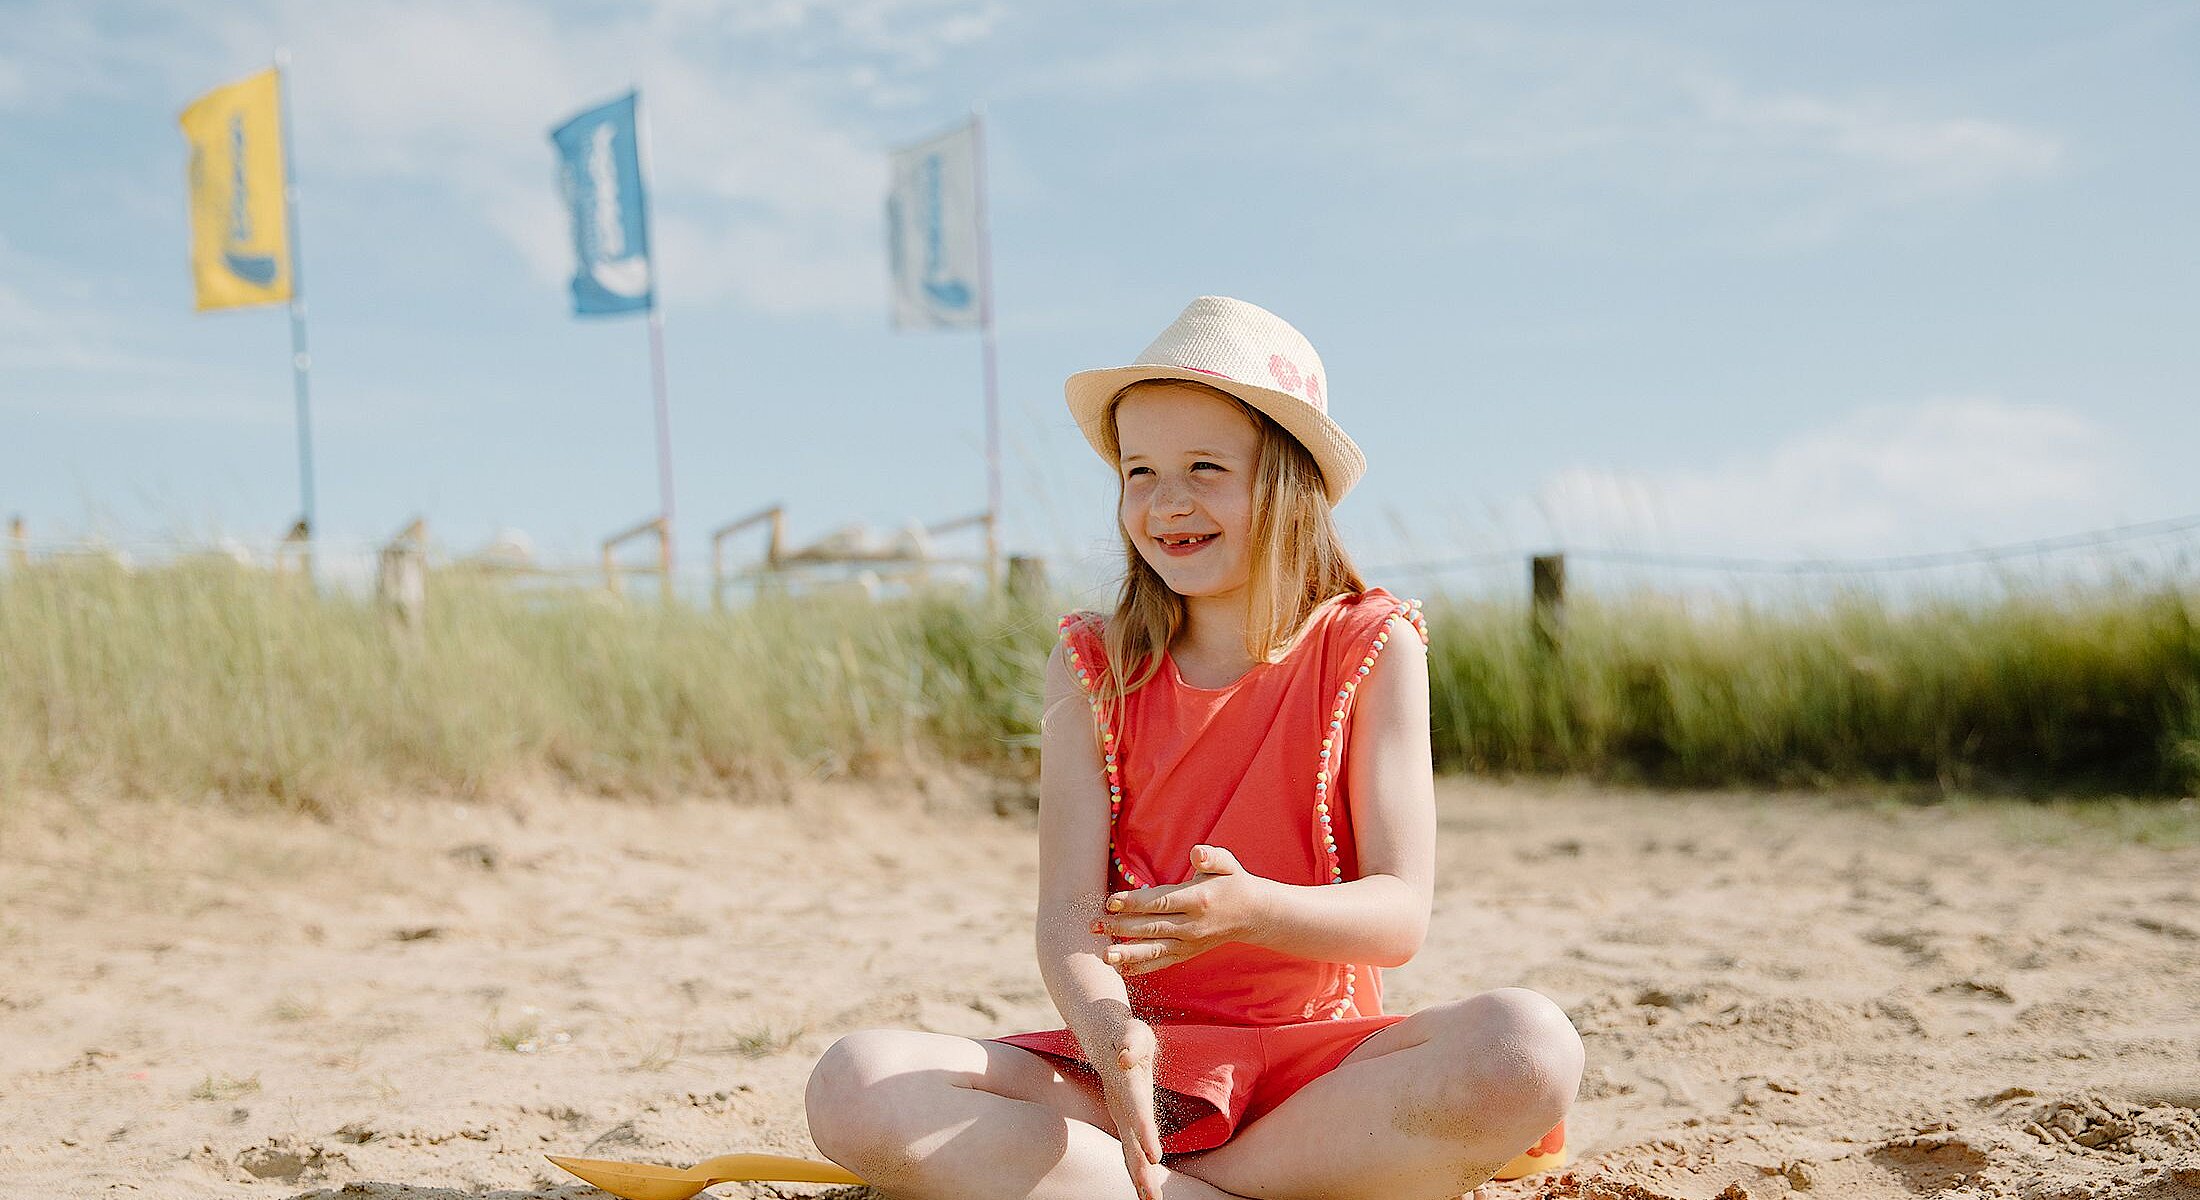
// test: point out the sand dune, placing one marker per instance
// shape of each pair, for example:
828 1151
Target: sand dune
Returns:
1783 994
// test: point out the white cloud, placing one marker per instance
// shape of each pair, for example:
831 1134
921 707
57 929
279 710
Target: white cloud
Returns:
1225 54
1860 152
110 380
61 334
1764 166
49 47
1887 479
910 32
767 185
1571 116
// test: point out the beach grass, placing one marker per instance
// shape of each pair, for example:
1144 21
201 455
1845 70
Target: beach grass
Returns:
209 678
2088 689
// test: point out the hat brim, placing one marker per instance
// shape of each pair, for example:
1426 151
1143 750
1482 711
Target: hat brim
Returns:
1338 456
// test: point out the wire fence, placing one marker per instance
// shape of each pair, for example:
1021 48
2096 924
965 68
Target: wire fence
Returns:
357 565
2036 547
2160 550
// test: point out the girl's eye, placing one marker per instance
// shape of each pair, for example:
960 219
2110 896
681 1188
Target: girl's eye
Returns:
1195 466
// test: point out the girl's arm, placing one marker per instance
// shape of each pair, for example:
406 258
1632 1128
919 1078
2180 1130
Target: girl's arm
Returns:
1073 876
1073 857
1379 918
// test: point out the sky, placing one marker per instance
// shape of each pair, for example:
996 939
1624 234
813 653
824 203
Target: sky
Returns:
1751 278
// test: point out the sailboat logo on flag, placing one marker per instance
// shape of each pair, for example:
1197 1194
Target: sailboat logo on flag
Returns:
932 233
600 171
256 269
240 238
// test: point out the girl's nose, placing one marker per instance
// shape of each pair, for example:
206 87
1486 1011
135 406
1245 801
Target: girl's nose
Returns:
1170 499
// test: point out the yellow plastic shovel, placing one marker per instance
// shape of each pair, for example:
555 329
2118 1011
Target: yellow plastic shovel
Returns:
646 1181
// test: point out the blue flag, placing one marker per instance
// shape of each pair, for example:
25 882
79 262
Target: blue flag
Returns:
600 169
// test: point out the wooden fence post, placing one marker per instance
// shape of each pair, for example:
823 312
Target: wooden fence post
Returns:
296 547
776 515
658 527
1547 611
664 561
1027 576
401 576
19 544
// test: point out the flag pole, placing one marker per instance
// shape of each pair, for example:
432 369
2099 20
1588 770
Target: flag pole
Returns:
657 361
664 430
301 362
992 372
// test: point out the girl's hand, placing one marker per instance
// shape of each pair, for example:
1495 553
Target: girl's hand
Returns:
1158 927
1126 1080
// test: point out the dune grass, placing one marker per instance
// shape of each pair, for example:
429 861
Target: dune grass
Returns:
205 678
2088 690
209 678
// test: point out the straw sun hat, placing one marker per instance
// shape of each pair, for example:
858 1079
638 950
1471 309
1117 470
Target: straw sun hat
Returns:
1244 350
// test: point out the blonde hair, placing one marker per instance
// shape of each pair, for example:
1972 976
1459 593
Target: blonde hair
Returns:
1298 561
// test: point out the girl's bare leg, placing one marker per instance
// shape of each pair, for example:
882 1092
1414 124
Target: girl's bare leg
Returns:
1426 1109
926 1116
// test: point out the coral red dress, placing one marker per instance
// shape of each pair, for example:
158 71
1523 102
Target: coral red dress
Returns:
1259 768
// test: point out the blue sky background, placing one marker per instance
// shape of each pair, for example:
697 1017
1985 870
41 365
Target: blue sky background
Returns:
1731 278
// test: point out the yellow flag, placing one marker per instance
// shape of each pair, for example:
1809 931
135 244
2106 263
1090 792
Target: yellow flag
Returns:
240 238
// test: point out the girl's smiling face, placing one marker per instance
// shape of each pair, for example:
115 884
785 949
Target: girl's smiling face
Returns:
1186 456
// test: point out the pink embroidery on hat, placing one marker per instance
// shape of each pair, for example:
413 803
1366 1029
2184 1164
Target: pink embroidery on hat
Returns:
1314 391
1285 371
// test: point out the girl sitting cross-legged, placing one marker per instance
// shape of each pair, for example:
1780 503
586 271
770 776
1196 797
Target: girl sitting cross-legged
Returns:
1236 832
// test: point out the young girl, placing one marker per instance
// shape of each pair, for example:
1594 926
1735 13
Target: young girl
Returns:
1236 832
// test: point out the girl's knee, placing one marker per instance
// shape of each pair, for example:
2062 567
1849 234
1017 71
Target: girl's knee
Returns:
1514 1052
852 1099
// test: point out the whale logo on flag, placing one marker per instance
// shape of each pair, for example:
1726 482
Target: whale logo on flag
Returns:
944 287
932 233
617 269
600 173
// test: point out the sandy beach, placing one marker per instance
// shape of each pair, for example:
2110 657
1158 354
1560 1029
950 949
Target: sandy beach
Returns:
1780 994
